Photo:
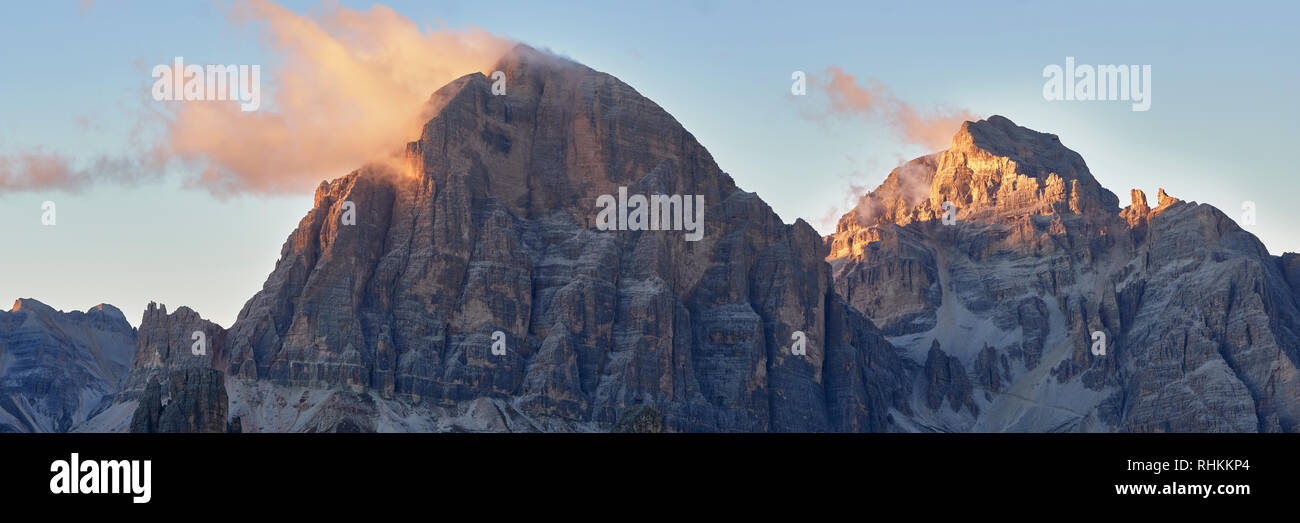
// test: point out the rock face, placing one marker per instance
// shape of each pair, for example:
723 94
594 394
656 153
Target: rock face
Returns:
176 382
492 229
57 368
946 380
169 342
1036 264
1289 264
196 402
640 420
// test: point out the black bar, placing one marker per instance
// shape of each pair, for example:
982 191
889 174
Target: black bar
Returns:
306 473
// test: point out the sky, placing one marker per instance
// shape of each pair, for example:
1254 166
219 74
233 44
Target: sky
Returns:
77 80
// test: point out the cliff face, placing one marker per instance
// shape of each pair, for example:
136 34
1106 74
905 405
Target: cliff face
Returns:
1200 324
492 228
57 368
168 342
177 383
196 401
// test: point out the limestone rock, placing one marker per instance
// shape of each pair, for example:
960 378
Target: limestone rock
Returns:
642 419
196 401
488 234
1289 264
176 382
57 368
166 342
946 380
1039 271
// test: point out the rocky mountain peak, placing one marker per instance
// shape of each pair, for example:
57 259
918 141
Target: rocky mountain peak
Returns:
1138 212
493 240
1034 153
114 317
1034 261
30 304
167 341
995 171
599 134
1165 200
524 61
107 312
56 368
1139 198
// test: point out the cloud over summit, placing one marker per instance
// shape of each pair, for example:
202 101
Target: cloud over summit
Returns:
346 87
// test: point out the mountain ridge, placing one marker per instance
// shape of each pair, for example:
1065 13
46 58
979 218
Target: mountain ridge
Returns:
58 368
1035 261
914 319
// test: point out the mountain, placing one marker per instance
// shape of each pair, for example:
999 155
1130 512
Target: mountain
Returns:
176 381
1001 301
57 368
382 312
477 285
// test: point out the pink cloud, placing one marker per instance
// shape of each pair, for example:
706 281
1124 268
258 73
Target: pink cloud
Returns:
874 101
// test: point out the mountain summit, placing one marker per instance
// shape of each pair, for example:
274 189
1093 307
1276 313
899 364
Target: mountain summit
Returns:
59 368
994 170
488 240
1064 311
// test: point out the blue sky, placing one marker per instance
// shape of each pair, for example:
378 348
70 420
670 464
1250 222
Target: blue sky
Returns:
1222 119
